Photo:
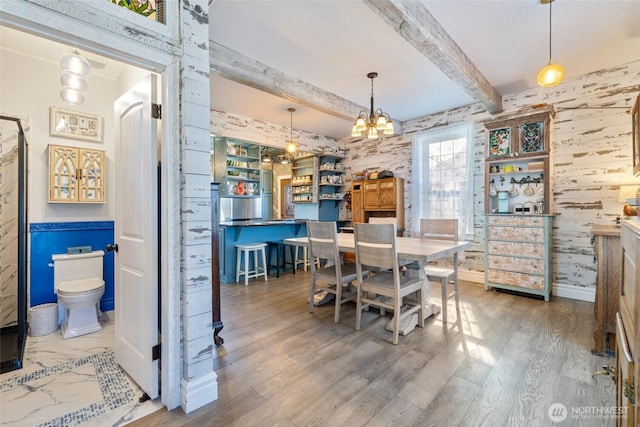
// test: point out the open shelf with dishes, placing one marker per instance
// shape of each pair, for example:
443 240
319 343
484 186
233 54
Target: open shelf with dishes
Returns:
240 175
304 182
525 183
331 173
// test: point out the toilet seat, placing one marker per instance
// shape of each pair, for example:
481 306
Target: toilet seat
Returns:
80 287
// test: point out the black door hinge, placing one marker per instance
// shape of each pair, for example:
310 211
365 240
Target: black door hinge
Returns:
155 352
156 111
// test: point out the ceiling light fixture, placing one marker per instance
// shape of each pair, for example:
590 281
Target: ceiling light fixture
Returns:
291 146
266 157
374 121
75 70
552 74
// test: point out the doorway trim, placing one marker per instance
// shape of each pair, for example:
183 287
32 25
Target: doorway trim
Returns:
52 22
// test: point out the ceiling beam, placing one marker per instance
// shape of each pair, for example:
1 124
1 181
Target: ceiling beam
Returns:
416 25
234 66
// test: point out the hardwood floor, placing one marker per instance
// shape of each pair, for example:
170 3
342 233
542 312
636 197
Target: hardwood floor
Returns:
504 362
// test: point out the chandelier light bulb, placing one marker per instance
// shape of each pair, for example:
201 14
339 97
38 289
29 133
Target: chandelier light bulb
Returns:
374 121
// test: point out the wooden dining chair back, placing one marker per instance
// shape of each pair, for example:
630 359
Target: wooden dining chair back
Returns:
442 229
334 275
383 220
376 249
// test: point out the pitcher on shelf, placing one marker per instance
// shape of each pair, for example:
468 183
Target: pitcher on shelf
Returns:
240 188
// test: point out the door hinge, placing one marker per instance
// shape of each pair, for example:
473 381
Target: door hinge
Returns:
155 352
629 391
156 111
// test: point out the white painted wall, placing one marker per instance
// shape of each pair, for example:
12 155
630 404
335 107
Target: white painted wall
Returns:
29 87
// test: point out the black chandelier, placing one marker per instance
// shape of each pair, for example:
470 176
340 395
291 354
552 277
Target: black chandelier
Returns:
373 121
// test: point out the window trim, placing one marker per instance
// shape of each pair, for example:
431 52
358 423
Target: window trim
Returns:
420 165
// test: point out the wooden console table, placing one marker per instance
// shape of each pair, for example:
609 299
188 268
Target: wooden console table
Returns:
608 256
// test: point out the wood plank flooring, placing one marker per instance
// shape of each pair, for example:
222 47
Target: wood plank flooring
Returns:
504 362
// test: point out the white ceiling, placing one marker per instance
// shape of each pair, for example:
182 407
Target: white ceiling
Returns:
333 44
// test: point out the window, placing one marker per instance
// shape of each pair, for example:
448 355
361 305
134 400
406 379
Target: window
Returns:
443 177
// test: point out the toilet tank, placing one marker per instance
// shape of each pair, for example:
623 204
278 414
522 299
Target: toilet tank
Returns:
76 266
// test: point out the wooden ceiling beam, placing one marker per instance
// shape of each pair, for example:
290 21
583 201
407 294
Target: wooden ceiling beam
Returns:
416 25
234 66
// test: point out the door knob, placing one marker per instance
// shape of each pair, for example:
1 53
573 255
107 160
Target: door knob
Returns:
113 247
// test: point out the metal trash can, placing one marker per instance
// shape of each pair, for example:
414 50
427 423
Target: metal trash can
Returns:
43 319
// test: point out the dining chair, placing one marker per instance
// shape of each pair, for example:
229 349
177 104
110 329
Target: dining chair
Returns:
334 275
442 229
383 220
376 247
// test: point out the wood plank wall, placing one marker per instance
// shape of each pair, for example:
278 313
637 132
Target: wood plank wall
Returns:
591 158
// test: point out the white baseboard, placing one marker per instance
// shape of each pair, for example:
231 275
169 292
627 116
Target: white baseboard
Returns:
557 289
573 292
471 276
197 393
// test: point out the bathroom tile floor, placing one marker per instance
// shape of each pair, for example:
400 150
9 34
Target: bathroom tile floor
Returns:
71 382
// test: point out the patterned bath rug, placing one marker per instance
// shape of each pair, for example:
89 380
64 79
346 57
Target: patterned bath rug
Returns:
67 394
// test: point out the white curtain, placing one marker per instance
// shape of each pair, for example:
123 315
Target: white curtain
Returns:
442 175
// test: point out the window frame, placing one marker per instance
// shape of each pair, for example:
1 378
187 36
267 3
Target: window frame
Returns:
421 172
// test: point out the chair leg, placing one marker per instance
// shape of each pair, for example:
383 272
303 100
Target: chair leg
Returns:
265 269
336 315
443 289
396 319
246 268
312 294
305 257
278 260
238 256
255 264
421 309
358 308
457 296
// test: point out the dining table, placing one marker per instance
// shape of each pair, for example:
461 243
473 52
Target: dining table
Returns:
410 249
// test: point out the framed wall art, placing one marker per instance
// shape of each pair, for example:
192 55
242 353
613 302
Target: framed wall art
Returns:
74 124
500 142
532 137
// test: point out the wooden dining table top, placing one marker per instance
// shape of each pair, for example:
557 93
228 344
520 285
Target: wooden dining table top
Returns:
409 248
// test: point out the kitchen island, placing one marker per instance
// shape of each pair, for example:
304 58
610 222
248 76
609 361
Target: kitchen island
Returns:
236 232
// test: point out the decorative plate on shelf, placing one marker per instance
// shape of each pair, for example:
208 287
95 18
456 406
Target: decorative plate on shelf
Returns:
532 137
499 142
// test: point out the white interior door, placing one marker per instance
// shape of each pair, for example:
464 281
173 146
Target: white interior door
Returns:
136 219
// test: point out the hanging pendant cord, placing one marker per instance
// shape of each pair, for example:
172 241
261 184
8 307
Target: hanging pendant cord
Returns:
550 6
371 114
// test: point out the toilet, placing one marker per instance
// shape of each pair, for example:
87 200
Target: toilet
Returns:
77 280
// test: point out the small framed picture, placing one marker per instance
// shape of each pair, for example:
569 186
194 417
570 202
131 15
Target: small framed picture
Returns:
73 124
532 137
500 142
